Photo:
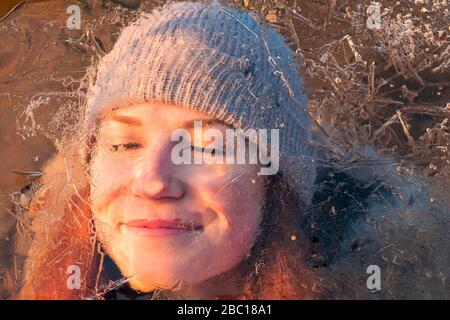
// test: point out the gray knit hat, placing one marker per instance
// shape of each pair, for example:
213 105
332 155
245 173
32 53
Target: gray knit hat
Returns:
217 60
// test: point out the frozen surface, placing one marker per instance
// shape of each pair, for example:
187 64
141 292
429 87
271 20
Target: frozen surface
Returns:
375 94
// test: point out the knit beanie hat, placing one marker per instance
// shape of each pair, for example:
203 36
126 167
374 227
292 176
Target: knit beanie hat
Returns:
214 59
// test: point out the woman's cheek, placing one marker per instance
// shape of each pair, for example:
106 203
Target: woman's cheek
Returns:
108 180
215 177
110 171
237 197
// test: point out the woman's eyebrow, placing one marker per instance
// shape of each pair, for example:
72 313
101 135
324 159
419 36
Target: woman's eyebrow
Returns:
205 122
126 120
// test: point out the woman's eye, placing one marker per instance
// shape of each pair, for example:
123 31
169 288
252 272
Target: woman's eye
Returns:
125 146
211 151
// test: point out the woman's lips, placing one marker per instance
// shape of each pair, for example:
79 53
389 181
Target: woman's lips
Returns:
161 228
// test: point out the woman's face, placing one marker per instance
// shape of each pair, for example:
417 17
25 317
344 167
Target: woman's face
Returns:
163 222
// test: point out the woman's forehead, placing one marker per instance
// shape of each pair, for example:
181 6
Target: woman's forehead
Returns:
155 113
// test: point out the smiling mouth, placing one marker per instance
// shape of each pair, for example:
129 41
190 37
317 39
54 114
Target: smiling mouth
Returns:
161 228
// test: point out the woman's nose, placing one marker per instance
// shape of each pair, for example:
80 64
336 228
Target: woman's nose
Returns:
156 179
158 189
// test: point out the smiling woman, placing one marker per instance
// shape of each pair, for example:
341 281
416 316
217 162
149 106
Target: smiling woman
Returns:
197 231
162 222
114 204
